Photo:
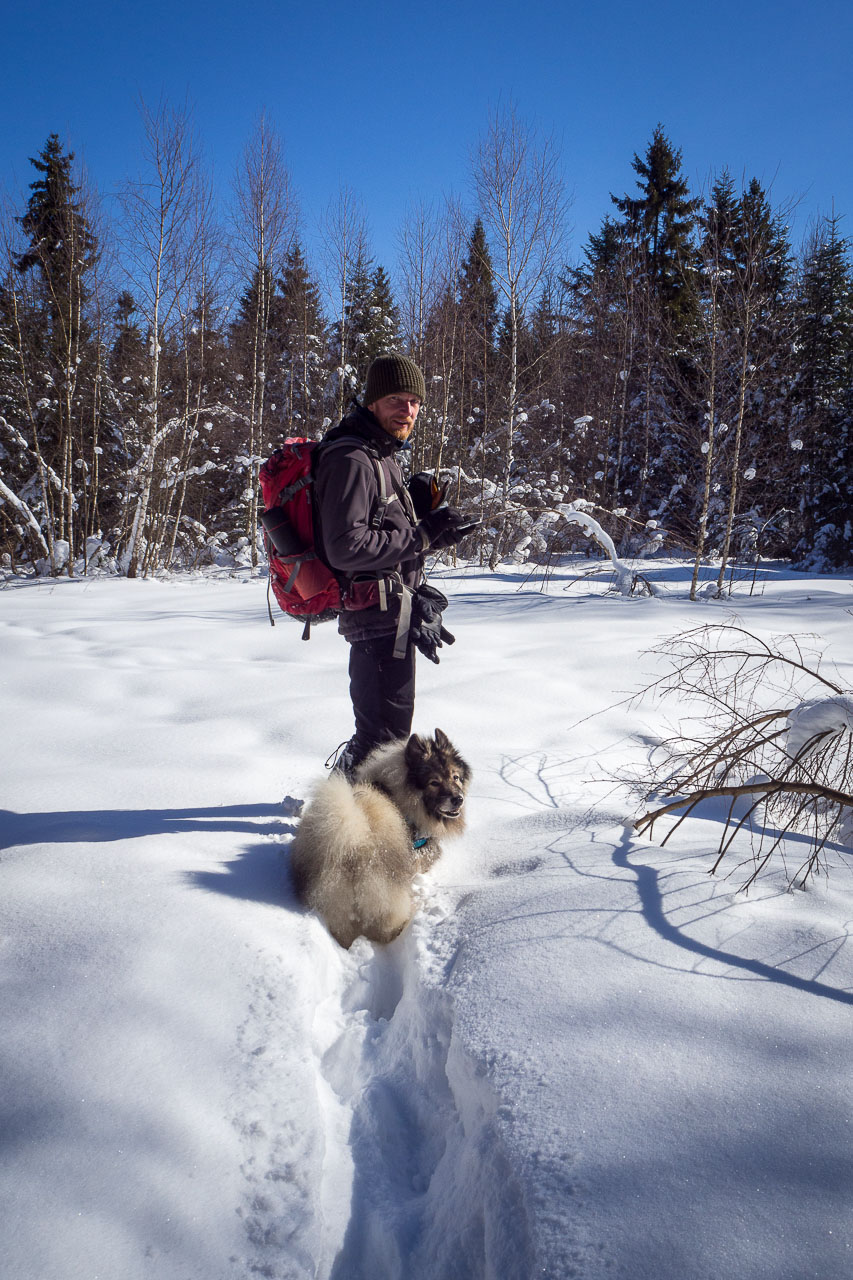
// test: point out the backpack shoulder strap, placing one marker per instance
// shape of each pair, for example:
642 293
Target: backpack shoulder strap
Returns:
378 516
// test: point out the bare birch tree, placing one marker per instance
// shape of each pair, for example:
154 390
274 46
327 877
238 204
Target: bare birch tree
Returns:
521 196
713 335
265 225
195 321
759 267
418 250
345 245
158 209
431 246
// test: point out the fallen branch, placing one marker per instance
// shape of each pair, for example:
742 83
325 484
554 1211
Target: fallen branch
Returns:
794 759
763 790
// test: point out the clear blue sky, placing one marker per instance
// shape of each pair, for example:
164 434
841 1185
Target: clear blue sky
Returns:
390 98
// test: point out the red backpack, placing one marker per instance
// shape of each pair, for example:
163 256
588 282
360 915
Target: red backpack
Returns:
303 584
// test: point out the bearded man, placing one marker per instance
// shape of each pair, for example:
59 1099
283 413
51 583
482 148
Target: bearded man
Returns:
374 530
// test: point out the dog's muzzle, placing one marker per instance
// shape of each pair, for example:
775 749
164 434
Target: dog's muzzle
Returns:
452 807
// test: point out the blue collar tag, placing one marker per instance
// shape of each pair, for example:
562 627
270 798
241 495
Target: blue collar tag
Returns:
419 844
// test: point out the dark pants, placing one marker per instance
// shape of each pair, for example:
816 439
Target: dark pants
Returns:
382 689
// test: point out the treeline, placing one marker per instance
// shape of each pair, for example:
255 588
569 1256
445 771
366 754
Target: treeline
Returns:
689 382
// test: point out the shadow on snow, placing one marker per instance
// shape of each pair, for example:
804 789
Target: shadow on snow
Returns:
258 873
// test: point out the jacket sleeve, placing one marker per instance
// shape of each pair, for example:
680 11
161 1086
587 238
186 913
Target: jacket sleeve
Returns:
346 491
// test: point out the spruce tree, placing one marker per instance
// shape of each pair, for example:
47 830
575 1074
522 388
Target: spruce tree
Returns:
62 247
302 358
603 254
477 293
372 321
765 328
59 351
825 399
761 245
478 305
258 341
127 355
384 319
661 220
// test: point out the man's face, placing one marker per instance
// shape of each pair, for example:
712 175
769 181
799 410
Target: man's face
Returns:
396 414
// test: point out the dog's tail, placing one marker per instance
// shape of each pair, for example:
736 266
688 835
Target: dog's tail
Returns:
349 861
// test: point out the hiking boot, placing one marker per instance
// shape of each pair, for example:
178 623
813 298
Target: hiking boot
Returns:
344 760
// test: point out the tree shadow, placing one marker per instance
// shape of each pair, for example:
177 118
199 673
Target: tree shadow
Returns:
652 906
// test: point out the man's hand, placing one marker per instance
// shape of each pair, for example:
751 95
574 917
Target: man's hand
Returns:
445 526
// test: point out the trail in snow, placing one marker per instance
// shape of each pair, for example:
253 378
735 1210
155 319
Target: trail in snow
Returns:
432 1196
367 1132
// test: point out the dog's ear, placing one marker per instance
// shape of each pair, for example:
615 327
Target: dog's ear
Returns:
417 750
442 741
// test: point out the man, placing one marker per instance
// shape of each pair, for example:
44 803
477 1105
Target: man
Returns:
370 532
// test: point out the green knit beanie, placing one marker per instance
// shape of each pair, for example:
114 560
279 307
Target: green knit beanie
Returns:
391 373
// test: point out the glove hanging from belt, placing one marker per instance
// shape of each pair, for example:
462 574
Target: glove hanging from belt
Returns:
427 633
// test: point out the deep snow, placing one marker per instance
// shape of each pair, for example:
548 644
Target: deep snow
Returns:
585 1057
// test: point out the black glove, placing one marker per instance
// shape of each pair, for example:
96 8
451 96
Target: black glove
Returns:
427 633
443 527
426 493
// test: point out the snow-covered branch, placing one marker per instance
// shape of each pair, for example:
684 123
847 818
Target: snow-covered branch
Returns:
770 733
26 514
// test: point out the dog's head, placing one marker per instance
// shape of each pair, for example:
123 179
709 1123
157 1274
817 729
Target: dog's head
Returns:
439 775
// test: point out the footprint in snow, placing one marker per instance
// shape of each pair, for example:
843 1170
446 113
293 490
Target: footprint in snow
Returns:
520 867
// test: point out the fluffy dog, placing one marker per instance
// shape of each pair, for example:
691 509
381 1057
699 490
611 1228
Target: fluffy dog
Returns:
359 845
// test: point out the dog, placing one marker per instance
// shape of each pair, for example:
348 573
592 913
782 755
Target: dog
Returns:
359 845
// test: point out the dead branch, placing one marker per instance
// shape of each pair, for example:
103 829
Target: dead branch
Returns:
759 721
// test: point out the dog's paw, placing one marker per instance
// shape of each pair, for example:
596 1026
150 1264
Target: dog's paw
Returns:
291 807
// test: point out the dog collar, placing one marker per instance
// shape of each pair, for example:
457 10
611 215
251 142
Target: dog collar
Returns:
418 843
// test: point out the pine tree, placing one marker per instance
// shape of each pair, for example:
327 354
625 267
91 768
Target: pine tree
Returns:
477 293
127 355
302 357
478 305
825 399
604 341
661 219
762 469
384 319
62 246
59 346
372 321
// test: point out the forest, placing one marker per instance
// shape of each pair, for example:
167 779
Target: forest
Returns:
686 379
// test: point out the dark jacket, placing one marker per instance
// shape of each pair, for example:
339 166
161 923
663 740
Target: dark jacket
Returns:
346 497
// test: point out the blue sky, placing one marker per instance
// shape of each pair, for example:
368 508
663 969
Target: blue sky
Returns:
389 99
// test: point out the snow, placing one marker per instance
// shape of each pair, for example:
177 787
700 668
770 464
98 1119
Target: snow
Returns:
623 576
815 716
584 1057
